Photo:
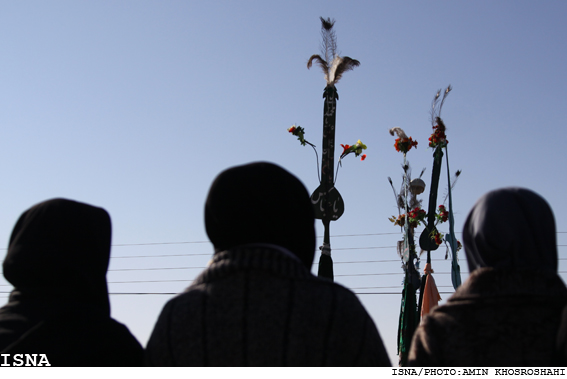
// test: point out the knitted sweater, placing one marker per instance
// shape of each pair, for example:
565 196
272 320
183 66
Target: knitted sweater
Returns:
496 318
258 306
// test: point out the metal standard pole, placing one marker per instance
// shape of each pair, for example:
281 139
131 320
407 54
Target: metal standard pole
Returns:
327 179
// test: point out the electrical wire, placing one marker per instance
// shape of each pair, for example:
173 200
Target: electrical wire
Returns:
210 254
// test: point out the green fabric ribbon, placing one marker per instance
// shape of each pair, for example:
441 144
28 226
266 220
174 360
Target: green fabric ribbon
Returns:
450 238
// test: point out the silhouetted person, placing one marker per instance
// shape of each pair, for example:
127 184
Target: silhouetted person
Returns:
507 312
57 261
257 304
560 357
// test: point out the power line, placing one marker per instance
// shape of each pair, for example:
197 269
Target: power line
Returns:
158 243
364 248
360 235
159 256
177 293
337 263
339 248
344 248
342 275
200 242
156 268
211 254
392 293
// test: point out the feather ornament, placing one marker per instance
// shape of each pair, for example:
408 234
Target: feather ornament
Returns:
333 65
320 61
329 39
395 194
339 66
453 184
436 107
399 131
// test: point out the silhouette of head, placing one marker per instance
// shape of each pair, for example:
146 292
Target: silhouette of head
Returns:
61 248
260 203
511 228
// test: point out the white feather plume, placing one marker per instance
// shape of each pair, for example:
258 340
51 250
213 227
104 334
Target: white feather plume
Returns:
333 65
399 131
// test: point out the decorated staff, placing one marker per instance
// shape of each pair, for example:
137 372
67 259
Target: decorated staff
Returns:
431 238
327 201
413 216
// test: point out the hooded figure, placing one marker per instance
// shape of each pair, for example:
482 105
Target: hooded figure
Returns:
57 261
507 312
257 304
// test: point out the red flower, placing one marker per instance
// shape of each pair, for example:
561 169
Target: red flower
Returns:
438 238
363 157
404 145
345 148
416 216
291 130
443 214
438 137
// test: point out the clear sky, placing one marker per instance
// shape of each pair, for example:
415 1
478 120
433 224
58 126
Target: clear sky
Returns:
136 106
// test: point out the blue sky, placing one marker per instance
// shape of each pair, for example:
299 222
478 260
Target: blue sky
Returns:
136 106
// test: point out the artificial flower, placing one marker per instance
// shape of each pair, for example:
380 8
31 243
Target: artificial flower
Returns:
442 214
400 220
299 132
359 147
404 144
438 137
416 216
356 149
437 237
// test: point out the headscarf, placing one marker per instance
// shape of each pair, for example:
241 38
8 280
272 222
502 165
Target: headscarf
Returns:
511 228
260 203
60 249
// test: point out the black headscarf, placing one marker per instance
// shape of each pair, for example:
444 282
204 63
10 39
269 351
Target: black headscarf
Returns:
57 261
61 248
511 228
261 203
